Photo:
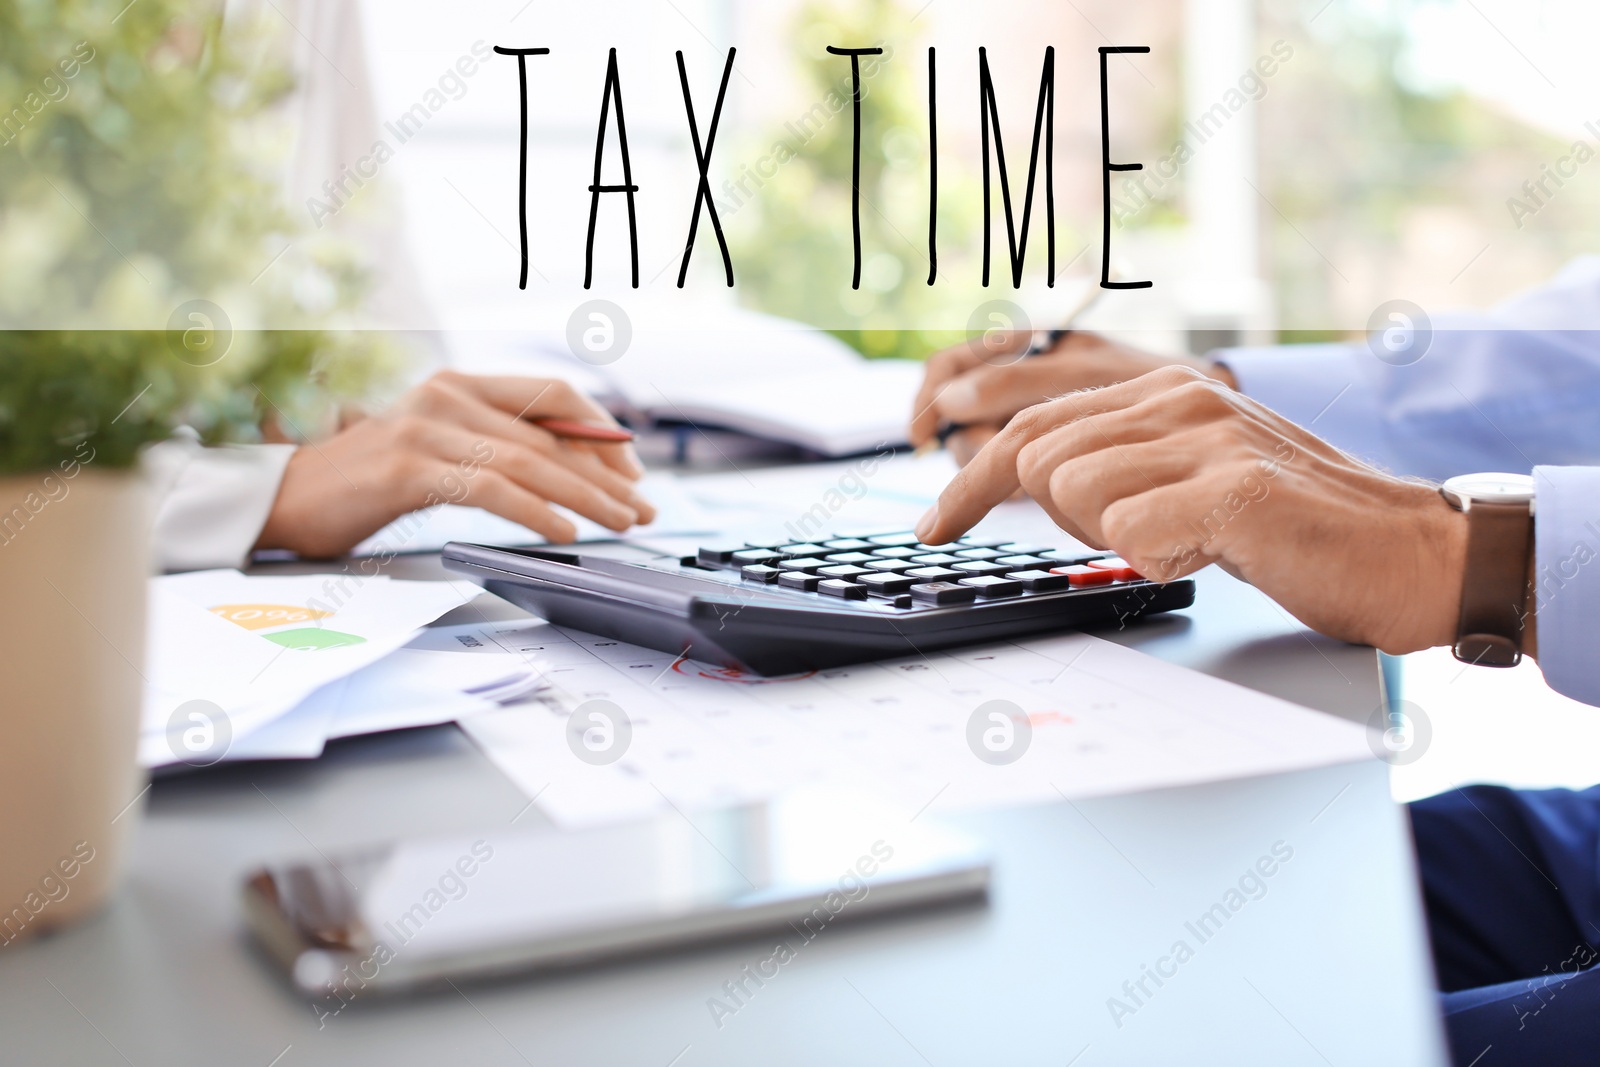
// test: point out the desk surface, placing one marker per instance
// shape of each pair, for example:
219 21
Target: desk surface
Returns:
1328 965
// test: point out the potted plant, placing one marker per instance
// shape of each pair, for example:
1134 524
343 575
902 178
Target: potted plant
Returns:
149 280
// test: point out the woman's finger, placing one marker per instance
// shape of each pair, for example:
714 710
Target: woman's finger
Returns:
534 398
495 493
532 471
441 399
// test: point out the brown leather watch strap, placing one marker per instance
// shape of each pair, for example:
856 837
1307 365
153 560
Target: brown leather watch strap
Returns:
1494 590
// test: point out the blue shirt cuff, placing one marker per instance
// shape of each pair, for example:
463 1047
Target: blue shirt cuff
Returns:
1567 578
1330 389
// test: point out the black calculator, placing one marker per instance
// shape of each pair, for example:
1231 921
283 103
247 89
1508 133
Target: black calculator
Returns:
779 606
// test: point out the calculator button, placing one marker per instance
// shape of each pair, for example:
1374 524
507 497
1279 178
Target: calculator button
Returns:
800 551
934 574
942 593
750 556
983 542
1017 548
1068 559
850 544
897 552
894 540
806 583
1024 562
979 553
991 585
771 543
938 548
889 566
887 584
856 558
718 554
976 568
840 588
808 565
1120 571
1040 581
1080 576
759 572
844 571
931 559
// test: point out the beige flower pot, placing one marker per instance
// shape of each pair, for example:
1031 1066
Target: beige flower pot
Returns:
74 559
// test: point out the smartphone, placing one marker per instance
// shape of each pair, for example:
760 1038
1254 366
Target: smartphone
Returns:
413 913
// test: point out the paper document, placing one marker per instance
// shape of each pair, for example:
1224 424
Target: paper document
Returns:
241 652
816 500
862 410
763 376
423 684
939 732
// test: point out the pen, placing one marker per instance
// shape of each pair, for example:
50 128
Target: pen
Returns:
574 430
1042 341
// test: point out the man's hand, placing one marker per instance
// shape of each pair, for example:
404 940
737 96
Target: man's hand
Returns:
456 439
1174 470
980 384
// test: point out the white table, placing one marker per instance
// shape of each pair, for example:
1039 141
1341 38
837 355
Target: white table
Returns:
1329 966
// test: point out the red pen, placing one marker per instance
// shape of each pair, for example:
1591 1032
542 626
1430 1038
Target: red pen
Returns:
584 431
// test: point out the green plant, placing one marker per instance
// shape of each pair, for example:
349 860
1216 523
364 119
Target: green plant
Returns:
137 177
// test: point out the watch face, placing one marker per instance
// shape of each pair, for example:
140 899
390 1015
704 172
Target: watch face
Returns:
1491 488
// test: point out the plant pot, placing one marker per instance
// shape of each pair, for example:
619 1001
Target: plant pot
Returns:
74 561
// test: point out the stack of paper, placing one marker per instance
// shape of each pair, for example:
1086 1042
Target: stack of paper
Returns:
248 667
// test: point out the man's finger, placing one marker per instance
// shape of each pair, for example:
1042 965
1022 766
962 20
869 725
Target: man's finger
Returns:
1158 531
941 368
992 476
1093 430
964 443
987 480
1084 486
994 394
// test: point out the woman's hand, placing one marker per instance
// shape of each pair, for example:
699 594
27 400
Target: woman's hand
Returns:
457 439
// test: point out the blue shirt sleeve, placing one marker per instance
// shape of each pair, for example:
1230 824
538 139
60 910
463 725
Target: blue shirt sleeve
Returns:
1567 578
1507 389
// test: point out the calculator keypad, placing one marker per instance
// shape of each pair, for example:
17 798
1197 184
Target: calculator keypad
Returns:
899 570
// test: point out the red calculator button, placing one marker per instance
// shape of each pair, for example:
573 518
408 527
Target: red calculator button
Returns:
1080 576
1120 571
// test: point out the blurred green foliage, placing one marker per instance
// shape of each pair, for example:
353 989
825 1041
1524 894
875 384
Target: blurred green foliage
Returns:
139 170
795 253
1363 159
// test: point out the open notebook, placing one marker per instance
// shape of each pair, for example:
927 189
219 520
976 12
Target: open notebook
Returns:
758 375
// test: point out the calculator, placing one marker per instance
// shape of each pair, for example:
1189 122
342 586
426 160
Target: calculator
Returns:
777 606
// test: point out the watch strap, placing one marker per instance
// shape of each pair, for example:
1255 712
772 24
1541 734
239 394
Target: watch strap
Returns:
1494 590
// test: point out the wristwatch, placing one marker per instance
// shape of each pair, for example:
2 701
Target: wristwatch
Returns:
1494 588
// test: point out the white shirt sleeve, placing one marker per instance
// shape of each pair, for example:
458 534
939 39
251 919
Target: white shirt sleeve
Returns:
1566 533
211 503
